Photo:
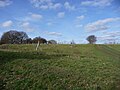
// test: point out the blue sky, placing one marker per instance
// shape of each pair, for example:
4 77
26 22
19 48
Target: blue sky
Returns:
63 20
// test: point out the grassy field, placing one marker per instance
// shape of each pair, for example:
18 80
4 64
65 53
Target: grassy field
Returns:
60 67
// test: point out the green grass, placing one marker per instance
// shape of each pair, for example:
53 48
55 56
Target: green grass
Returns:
116 47
60 67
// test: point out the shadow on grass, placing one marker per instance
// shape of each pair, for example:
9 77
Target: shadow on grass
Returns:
7 56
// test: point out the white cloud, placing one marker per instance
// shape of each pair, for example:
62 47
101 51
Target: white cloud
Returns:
25 24
110 36
43 7
45 4
54 6
36 16
100 24
51 4
61 14
97 3
27 27
53 33
4 3
31 17
38 2
68 6
80 17
6 24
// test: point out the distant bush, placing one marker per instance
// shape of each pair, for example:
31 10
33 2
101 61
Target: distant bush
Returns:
41 40
52 42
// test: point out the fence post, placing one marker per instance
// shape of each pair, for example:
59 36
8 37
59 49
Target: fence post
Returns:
37 45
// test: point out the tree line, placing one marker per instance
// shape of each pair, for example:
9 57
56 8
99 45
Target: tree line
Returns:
17 37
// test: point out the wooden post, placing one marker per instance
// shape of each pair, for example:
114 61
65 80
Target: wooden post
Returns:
37 45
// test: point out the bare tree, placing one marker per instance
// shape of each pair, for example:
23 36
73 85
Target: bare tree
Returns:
23 37
13 37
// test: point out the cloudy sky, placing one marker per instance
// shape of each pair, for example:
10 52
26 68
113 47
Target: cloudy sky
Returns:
63 20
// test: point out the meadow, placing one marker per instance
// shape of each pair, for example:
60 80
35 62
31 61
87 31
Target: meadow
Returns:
60 67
